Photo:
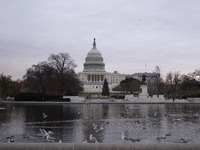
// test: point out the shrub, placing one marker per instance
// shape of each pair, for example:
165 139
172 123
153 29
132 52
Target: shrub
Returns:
30 96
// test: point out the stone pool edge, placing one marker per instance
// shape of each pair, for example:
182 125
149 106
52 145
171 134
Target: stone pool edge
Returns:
97 146
126 102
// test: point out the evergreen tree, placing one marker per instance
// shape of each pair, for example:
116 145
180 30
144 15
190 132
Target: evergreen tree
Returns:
105 89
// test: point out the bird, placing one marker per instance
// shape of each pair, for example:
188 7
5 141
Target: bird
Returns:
178 119
3 108
156 114
125 136
160 138
44 115
95 127
185 140
167 115
47 135
112 99
85 141
103 125
195 115
135 140
167 134
93 139
43 132
127 110
10 139
60 141
99 128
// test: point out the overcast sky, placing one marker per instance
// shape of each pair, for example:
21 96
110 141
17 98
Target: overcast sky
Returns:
129 33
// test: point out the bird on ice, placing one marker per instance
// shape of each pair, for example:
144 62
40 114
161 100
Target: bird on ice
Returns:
10 139
93 139
47 135
44 115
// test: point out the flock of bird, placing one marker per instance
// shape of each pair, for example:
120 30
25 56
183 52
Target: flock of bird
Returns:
98 128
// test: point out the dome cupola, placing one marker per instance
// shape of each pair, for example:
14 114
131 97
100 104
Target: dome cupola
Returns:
94 61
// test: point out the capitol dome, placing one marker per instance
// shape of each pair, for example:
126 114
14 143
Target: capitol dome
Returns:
94 61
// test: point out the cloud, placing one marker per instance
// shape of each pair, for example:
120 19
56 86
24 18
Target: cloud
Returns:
155 32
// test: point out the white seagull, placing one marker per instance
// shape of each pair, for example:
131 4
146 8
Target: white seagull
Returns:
93 139
47 135
44 115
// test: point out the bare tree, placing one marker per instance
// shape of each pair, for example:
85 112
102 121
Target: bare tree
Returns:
173 80
158 80
63 65
195 75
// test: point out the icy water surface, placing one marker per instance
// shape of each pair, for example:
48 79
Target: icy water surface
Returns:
107 123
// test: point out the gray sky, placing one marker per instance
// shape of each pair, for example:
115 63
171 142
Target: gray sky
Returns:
129 33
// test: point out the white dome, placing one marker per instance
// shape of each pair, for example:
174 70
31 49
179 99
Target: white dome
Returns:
94 60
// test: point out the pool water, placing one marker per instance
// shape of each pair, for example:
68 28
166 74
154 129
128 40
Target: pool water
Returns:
102 123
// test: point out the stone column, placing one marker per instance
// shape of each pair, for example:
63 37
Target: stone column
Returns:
101 77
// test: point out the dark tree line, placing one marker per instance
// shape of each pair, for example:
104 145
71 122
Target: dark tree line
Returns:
57 77
174 85
5 82
182 86
8 87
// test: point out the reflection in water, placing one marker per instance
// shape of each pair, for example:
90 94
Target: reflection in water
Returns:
103 123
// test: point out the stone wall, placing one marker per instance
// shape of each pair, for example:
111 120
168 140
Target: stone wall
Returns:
94 146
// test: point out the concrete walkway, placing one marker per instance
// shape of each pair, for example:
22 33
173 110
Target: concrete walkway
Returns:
90 146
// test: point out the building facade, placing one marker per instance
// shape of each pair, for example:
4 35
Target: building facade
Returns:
94 73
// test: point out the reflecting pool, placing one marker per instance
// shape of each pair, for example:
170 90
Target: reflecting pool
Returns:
106 123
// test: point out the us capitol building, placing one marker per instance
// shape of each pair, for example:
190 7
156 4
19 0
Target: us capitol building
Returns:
94 73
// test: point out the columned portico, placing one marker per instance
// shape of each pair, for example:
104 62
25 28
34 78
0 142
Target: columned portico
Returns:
95 77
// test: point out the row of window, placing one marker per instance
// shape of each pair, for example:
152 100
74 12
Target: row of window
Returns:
116 80
94 67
